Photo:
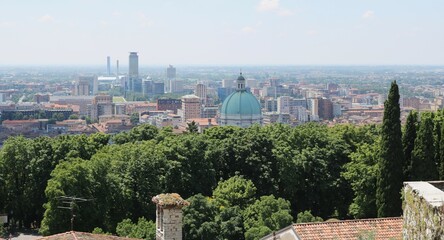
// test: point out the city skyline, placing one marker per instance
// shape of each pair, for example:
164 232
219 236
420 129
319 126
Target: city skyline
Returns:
251 32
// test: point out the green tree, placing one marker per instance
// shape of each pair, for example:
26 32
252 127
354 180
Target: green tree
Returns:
70 178
267 212
134 119
59 116
144 229
199 219
73 116
192 127
142 132
236 191
441 154
256 233
391 158
247 152
189 171
231 223
98 230
14 161
361 172
408 141
306 216
423 155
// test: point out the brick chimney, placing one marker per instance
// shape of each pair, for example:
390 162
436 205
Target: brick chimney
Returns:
169 216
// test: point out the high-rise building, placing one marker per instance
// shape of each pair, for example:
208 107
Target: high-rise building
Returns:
251 83
273 82
108 66
101 105
170 78
284 104
133 70
171 72
223 93
201 92
325 109
176 86
190 107
86 85
159 88
270 104
227 83
81 88
313 106
134 82
117 69
147 87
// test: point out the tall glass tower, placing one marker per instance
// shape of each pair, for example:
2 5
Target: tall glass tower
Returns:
133 65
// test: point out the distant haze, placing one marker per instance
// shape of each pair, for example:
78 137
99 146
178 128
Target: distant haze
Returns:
233 32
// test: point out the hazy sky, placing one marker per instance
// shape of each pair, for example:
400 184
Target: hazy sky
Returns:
235 32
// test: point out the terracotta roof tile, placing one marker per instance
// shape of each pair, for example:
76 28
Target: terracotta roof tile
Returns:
83 236
379 228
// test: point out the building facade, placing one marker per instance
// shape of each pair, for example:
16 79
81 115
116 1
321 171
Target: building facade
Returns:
190 107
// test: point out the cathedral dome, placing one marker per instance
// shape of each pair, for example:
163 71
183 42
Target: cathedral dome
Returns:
240 108
241 103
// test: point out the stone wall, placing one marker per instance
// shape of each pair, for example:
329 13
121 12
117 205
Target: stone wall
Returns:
172 223
423 211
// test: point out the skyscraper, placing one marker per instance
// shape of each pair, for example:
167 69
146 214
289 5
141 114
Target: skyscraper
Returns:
133 65
108 66
171 72
201 92
170 78
135 83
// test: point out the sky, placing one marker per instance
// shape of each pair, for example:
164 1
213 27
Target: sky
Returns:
222 32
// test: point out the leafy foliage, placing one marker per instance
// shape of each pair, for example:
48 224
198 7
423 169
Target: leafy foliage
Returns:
236 191
144 229
306 216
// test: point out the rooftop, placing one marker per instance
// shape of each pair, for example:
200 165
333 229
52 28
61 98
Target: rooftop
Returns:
83 236
378 228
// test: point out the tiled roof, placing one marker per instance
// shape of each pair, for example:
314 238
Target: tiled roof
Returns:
83 236
376 228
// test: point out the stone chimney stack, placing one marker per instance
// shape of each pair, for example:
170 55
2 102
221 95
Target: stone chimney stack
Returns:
169 216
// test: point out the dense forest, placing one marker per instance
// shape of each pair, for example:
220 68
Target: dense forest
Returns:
242 183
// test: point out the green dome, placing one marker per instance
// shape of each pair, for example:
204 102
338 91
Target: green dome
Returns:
241 103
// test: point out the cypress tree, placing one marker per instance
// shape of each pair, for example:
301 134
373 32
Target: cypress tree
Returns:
391 159
441 153
437 122
408 141
423 155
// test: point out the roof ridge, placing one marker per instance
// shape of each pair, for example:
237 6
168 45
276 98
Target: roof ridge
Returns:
349 221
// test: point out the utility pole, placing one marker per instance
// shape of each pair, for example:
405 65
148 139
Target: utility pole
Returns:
69 203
